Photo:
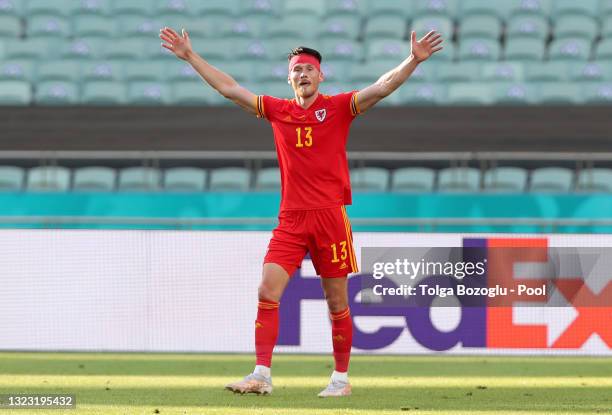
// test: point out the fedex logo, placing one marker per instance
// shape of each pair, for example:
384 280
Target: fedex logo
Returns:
484 322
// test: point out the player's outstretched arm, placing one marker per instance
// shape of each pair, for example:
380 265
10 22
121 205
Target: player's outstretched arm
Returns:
389 82
227 86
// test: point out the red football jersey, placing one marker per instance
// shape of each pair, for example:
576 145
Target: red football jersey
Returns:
311 148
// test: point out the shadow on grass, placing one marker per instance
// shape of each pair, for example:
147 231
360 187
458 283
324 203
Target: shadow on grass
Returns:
66 364
576 400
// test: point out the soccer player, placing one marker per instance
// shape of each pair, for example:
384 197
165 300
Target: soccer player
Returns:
310 133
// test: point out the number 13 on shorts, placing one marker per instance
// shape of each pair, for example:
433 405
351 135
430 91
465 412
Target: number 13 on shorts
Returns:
339 249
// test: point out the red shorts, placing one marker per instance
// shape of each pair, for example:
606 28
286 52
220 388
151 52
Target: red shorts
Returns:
325 233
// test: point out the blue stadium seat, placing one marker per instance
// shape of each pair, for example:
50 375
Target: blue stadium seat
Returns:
144 70
427 23
253 49
546 71
372 179
103 93
591 71
268 179
344 7
341 49
102 71
139 179
179 70
128 50
136 26
570 49
505 179
530 7
574 8
387 49
148 93
216 7
94 178
38 7
469 94
423 94
479 26
551 179
14 7
482 8
459 179
560 93
292 27
90 8
56 93
522 49
82 48
413 179
514 93
399 8
341 27
35 49
190 179
597 93
370 71
467 71
245 26
174 7
387 26
530 27
443 7
10 26
59 70
503 71
194 93
15 93
479 49
605 8
17 70
11 178
261 7
101 26
583 27
133 7
230 179
594 180
603 50
48 178
48 26
334 70
300 7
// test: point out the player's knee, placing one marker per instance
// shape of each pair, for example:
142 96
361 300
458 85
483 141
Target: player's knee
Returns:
336 303
266 292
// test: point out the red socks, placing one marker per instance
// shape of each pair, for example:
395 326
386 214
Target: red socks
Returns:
266 331
342 338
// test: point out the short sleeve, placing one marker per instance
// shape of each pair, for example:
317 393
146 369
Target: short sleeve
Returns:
268 107
347 103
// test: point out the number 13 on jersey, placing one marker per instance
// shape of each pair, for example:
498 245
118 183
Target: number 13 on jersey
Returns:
307 135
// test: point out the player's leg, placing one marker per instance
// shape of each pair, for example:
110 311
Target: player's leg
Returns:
334 258
273 283
336 295
286 250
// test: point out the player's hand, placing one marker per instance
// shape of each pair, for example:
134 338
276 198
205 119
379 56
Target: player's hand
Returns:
179 45
427 46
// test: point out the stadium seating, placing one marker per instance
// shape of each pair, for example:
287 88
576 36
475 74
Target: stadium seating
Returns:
192 179
413 179
94 179
139 179
268 179
67 49
230 179
505 179
11 178
551 179
374 179
459 179
52 178
594 180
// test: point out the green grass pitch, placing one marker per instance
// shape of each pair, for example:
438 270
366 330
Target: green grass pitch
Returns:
139 383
